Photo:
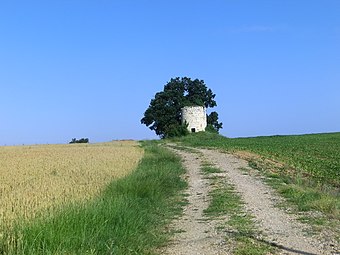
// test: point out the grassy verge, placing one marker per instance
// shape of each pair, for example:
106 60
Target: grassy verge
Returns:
127 218
240 228
303 196
304 169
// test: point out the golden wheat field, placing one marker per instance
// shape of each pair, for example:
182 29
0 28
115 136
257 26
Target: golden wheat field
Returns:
36 178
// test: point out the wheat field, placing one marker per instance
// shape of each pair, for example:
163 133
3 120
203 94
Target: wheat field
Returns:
35 179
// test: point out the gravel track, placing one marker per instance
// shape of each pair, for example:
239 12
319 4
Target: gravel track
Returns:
280 228
197 235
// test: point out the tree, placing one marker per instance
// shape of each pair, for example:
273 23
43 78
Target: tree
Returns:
212 123
164 112
82 140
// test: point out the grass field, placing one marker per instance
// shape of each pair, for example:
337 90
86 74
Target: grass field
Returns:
38 178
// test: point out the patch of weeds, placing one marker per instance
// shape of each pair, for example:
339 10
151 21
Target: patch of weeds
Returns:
183 148
315 221
224 201
183 203
252 246
301 197
253 164
244 170
211 170
178 231
212 177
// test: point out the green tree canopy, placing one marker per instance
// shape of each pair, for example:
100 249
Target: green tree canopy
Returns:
164 112
213 124
82 140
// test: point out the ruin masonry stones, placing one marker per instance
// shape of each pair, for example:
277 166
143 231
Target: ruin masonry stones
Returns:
195 117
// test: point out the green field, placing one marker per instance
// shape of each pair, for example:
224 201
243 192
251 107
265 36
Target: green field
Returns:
315 155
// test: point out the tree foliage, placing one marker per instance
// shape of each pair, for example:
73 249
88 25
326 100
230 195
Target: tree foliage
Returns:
164 112
213 125
82 140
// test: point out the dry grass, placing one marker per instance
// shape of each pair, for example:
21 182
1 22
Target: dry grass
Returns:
36 178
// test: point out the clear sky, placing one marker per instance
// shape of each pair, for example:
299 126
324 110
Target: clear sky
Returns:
85 68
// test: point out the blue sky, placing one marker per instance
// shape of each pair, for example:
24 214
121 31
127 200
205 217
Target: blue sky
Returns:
84 68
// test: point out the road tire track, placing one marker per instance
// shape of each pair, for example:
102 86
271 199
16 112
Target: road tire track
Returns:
195 234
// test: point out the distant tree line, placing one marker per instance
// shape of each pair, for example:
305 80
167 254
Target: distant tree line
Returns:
82 140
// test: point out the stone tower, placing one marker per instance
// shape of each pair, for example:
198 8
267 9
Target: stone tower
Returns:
195 117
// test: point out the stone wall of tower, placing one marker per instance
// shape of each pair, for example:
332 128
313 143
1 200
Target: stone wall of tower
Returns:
195 117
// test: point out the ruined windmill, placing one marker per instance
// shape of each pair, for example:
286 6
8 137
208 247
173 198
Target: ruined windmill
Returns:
195 117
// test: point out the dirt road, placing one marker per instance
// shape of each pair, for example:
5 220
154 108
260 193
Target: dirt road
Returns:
195 234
